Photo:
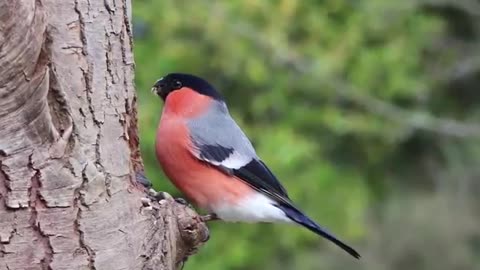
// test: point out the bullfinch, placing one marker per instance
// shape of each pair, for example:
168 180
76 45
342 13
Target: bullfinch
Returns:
207 156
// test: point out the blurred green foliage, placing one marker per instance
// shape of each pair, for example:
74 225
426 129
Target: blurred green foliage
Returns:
344 101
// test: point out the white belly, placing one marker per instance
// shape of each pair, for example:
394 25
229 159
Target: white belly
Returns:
255 208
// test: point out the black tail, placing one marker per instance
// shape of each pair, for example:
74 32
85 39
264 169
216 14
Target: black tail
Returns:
300 218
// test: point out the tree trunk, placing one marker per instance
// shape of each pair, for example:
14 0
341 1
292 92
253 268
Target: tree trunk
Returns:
69 146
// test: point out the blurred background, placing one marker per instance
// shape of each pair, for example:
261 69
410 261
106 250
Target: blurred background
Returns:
367 110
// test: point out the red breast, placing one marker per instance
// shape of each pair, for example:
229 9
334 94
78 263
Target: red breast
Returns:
201 183
186 103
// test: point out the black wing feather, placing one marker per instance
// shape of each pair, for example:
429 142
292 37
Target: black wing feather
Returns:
216 153
255 173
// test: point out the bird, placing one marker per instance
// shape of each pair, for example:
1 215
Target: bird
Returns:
207 156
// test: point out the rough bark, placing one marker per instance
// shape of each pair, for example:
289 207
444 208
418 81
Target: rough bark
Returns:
69 145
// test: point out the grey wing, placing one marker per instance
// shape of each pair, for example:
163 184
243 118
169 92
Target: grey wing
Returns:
219 141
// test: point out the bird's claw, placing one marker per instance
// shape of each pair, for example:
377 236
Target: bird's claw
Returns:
146 201
158 196
147 205
152 196
182 201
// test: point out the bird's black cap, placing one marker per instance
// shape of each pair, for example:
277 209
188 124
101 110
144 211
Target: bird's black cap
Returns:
174 81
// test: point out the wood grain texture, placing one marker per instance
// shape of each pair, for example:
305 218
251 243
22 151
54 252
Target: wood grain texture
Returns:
69 145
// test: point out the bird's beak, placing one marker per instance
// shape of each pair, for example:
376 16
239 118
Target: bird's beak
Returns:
157 88
154 90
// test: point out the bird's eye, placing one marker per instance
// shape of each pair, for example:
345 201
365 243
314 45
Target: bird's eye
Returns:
177 85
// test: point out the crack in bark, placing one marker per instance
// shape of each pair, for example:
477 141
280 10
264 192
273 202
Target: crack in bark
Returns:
108 7
108 64
36 204
165 240
90 252
130 118
6 184
110 79
79 203
81 242
3 187
2 250
98 161
81 21
128 27
87 77
133 139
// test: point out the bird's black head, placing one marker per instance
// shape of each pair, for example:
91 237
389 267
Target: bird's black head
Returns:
175 81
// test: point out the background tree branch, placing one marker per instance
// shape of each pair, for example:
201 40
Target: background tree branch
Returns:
414 119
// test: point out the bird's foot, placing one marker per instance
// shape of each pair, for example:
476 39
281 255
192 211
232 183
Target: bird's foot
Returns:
209 217
183 202
158 195
162 195
147 205
152 196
